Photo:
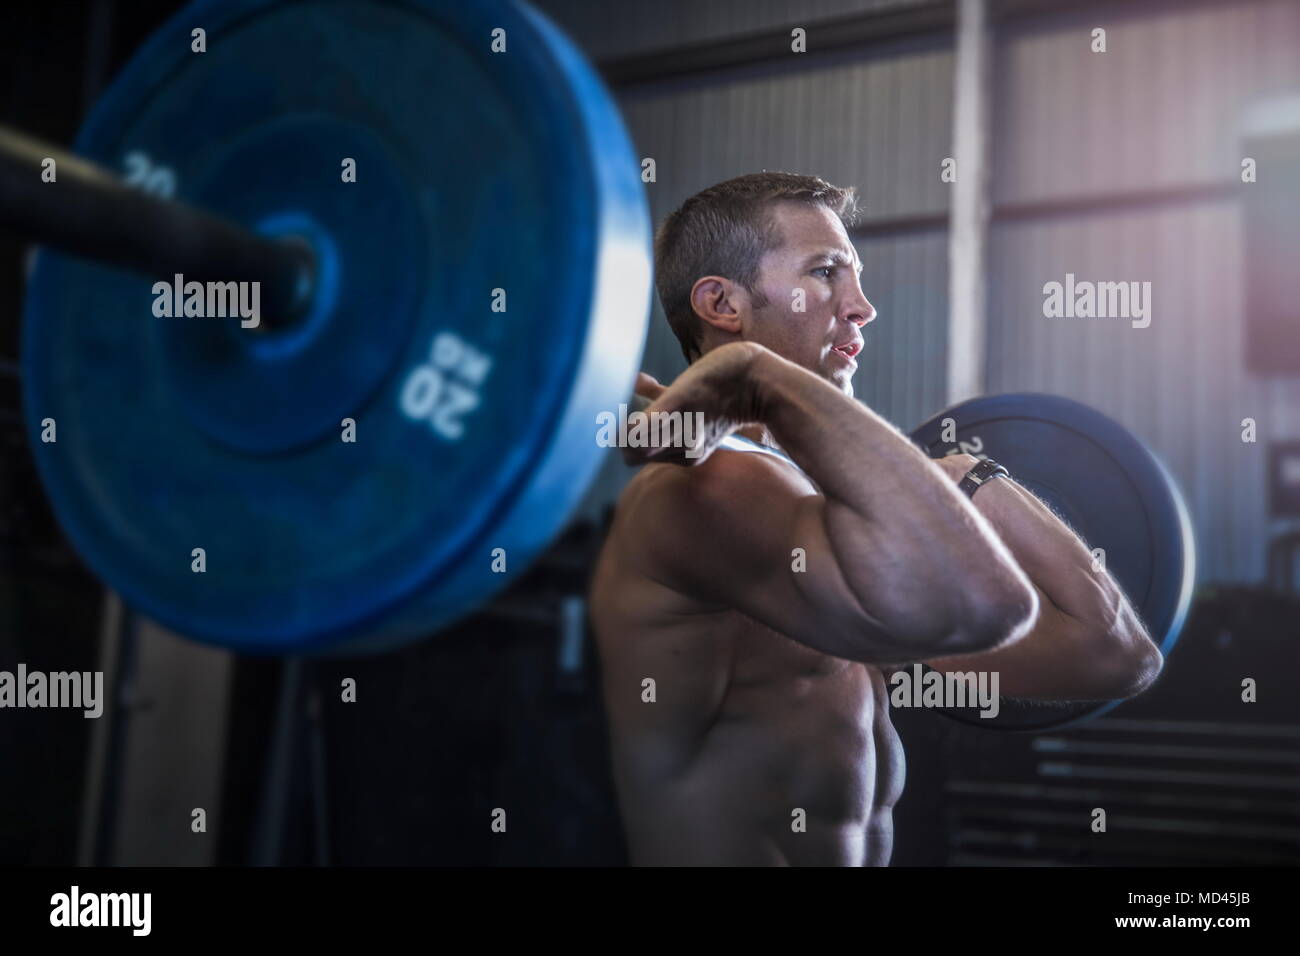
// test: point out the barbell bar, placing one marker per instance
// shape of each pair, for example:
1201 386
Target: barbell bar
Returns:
88 211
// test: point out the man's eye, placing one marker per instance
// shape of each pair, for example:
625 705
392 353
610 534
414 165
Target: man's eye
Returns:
826 269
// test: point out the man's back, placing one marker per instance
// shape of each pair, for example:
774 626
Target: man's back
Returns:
755 749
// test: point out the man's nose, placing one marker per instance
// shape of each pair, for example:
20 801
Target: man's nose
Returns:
861 311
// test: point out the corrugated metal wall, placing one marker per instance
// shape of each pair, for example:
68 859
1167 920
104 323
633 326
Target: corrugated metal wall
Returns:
873 122
867 124
1160 109
625 27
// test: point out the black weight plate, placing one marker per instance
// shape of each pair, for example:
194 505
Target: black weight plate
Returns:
1108 487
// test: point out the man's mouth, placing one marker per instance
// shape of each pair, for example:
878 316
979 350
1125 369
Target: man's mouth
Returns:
849 350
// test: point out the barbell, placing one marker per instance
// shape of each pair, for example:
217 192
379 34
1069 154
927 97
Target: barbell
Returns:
1109 488
446 222
478 294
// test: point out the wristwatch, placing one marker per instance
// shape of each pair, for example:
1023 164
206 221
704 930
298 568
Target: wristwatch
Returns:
985 470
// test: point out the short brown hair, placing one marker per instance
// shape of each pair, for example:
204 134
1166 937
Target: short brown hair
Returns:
725 230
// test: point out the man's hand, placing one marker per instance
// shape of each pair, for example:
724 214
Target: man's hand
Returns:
649 387
719 386
956 467
895 564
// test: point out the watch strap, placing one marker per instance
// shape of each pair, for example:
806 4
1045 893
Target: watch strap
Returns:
985 470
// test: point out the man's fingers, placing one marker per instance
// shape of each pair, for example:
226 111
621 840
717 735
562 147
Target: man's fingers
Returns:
636 457
648 386
700 447
688 445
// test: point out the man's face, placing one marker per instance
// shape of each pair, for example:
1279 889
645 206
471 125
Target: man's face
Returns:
817 258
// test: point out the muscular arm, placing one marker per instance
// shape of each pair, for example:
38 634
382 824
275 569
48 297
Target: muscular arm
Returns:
897 560
1088 643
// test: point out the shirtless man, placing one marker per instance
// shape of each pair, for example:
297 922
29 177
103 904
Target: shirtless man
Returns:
769 682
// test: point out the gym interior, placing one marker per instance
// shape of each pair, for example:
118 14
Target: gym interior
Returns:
1156 143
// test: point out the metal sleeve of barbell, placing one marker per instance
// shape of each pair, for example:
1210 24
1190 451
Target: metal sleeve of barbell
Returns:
88 211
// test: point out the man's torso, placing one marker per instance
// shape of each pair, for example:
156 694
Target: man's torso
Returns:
755 749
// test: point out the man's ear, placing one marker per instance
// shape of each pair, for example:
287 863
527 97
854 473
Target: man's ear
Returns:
719 302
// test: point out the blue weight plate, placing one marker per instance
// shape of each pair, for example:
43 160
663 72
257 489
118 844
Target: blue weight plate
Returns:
1108 487
475 429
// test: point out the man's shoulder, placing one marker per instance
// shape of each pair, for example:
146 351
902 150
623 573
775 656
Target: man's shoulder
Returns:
675 523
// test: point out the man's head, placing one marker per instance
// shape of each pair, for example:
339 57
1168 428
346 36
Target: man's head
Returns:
765 258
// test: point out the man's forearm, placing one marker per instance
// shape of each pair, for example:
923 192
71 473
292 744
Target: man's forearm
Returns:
884 498
1055 558
1088 635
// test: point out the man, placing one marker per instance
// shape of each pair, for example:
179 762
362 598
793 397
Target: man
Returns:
749 599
